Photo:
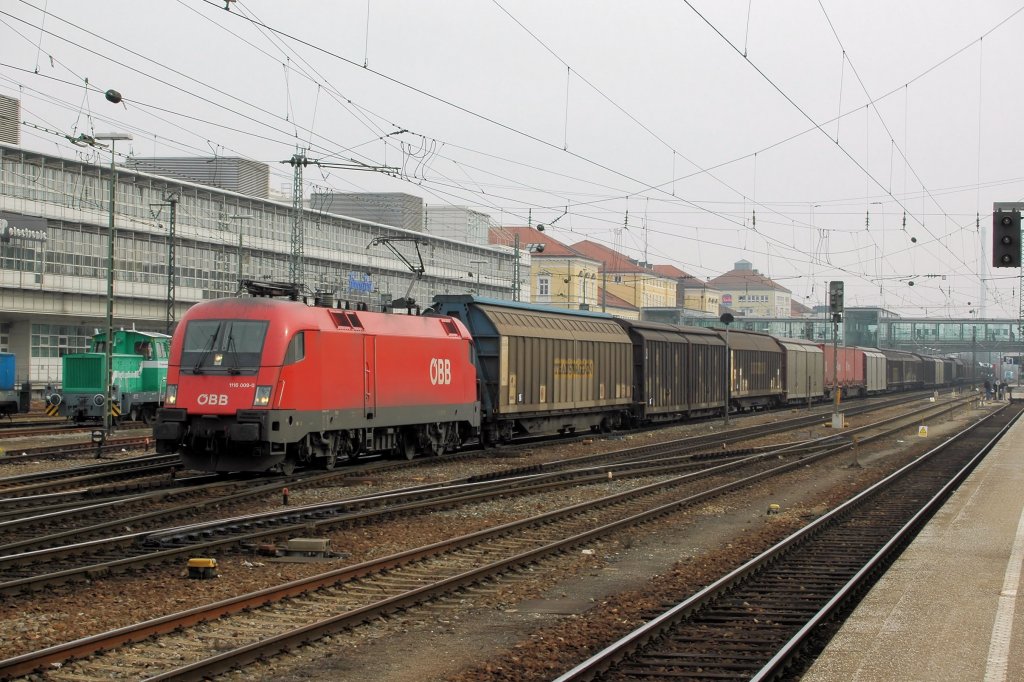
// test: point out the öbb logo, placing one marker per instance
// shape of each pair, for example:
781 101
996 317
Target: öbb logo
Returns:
440 371
212 399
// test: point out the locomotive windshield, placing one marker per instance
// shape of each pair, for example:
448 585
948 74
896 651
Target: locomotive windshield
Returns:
229 346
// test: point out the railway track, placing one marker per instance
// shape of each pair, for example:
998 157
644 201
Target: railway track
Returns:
54 480
541 536
770 617
75 450
30 559
53 427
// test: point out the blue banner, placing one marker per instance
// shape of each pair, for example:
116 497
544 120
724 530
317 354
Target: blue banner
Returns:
358 281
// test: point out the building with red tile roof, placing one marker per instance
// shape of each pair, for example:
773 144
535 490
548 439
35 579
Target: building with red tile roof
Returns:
629 279
692 293
749 292
608 302
559 275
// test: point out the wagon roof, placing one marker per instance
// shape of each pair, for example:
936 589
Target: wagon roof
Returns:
745 340
541 324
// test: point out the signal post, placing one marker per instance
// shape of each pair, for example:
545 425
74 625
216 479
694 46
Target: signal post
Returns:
1006 251
835 307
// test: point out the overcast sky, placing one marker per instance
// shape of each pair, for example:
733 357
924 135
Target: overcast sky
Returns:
816 140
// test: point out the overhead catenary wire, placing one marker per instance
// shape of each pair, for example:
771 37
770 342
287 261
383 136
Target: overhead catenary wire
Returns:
766 222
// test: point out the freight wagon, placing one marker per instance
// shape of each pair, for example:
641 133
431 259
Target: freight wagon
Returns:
803 370
9 398
755 370
544 371
678 372
903 370
860 371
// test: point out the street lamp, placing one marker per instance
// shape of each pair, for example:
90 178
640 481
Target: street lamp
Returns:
109 373
727 319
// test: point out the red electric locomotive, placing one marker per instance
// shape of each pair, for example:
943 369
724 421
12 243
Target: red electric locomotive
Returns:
262 384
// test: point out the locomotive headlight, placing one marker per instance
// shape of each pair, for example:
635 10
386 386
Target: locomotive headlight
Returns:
172 395
262 398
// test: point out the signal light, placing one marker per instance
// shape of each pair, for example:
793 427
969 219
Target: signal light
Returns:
1006 239
835 297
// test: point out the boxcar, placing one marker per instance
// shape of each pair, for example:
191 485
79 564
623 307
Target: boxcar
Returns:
932 371
861 371
677 371
9 403
543 371
804 371
949 371
755 370
960 373
903 370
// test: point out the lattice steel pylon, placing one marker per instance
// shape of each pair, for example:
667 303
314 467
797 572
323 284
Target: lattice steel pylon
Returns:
296 266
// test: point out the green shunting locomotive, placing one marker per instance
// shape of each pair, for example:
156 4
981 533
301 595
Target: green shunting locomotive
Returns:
139 364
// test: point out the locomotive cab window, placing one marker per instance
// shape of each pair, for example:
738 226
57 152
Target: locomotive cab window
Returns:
296 349
223 346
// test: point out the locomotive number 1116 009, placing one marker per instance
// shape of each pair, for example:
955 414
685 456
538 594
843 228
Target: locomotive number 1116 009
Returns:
440 371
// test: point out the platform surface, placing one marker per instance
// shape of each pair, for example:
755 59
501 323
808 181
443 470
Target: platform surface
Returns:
948 609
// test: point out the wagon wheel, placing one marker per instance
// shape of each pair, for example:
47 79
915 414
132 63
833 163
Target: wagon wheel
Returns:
406 445
328 463
287 466
148 416
133 414
350 450
438 435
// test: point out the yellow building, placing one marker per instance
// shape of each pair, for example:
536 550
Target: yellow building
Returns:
559 276
692 293
639 284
